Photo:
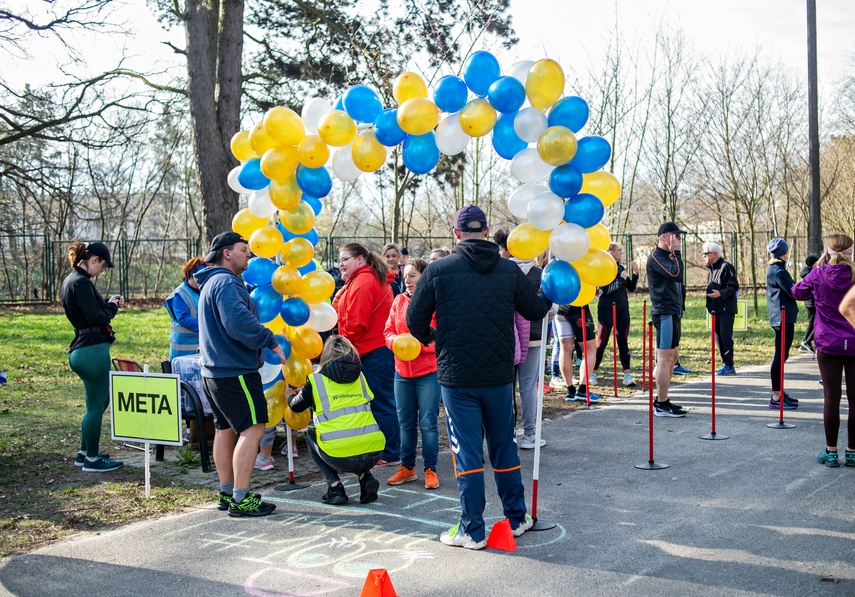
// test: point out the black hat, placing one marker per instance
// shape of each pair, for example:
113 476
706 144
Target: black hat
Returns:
404 251
101 250
222 240
470 218
669 227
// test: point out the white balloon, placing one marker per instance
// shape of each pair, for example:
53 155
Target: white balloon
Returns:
529 124
546 211
528 167
322 317
269 372
312 112
519 71
522 196
450 138
569 242
260 205
233 181
343 165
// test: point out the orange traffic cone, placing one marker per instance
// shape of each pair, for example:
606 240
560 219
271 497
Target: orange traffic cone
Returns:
501 536
378 584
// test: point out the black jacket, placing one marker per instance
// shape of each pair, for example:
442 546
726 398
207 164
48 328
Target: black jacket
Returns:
778 285
342 370
474 293
86 309
666 276
809 304
722 277
616 293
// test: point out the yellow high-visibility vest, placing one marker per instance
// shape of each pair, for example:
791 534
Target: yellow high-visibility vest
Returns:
343 420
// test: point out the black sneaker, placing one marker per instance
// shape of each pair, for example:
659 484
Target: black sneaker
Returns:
790 400
368 487
101 465
225 498
251 505
78 460
666 409
336 495
789 404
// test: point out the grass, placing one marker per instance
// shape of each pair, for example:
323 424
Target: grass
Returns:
44 497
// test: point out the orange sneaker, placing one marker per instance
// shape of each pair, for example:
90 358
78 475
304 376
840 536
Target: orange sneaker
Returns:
431 482
402 475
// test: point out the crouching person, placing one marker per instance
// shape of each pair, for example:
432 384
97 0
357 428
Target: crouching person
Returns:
344 436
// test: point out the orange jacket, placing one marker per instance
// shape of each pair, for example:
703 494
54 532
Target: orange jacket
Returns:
363 306
397 324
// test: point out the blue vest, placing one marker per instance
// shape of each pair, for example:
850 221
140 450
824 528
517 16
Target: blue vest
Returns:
181 340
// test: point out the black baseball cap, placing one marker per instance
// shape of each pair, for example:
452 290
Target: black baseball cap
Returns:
470 218
669 227
101 250
223 239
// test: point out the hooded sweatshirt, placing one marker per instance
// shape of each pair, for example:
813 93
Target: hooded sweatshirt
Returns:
231 339
827 285
363 306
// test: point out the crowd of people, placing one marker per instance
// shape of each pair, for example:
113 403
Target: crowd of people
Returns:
481 319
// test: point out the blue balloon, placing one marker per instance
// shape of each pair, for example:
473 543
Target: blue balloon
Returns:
295 311
592 153
565 181
569 112
560 282
311 235
259 270
315 182
362 103
267 302
272 382
584 209
315 203
505 140
309 267
450 94
479 72
421 153
251 177
386 128
339 103
273 358
506 94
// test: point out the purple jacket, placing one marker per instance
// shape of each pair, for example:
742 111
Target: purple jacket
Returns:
827 286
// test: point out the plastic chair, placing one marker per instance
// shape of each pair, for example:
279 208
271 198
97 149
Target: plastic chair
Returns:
198 415
127 365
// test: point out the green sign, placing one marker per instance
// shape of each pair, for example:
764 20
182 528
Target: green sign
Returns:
145 407
740 321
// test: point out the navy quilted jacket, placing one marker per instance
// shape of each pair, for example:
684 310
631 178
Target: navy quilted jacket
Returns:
474 293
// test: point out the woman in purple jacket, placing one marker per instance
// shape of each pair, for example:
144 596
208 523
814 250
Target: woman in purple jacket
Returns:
834 340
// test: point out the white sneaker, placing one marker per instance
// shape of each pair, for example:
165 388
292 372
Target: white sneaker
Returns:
263 464
294 452
455 538
525 525
557 382
592 381
527 442
628 381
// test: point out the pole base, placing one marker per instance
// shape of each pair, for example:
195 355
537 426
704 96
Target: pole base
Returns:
651 466
715 436
540 525
780 425
290 486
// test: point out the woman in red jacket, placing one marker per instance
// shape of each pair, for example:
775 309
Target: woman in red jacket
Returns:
363 306
416 389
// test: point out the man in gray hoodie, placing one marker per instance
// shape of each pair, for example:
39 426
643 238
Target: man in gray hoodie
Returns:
231 343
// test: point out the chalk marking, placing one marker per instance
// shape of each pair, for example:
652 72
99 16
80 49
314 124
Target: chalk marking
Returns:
250 589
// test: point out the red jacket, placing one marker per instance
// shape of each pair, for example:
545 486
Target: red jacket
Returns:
363 306
397 324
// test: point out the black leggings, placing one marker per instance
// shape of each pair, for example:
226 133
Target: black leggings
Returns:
789 330
831 367
603 337
809 331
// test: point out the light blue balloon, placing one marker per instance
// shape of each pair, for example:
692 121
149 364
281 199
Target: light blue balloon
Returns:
273 358
251 177
362 103
569 112
479 72
505 140
421 153
315 182
295 311
450 94
315 203
267 302
560 282
584 209
565 181
387 130
506 94
259 271
592 153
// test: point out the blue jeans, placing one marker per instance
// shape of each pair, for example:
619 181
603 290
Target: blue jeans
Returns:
378 367
418 408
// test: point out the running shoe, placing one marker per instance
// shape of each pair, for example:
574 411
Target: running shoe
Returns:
402 475
522 527
431 480
666 409
628 381
455 538
680 370
829 459
251 505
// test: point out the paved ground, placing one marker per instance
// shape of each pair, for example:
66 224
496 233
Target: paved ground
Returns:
750 515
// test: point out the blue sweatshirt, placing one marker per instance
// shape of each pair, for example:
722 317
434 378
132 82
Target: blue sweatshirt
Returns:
231 339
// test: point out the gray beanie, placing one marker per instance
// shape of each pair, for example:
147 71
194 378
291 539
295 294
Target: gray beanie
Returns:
778 247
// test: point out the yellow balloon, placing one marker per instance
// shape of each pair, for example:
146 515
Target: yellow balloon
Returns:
245 223
266 241
587 293
284 126
406 347
477 118
297 252
280 162
544 84
314 153
317 287
259 140
286 280
275 325
336 128
418 116
285 194
299 219
408 86
241 148
603 185
275 396
296 369
306 342
596 267
297 421
600 237
527 242
556 145
368 153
